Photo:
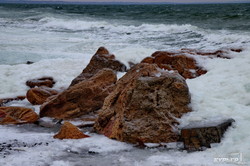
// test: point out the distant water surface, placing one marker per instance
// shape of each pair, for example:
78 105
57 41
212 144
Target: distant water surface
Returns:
34 31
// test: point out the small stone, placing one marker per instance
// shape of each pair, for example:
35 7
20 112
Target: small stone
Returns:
236 50
69 131
44 81
39 95
29 62
17 115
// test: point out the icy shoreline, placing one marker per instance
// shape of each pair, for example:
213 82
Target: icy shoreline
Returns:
222 92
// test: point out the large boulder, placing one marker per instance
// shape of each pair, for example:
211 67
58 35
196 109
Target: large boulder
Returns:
144 106
102 59
44 81
39 95
70 131
17 115
83 98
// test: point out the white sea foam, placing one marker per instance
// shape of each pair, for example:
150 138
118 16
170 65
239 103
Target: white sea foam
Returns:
86 24
134 54
62 70
74 25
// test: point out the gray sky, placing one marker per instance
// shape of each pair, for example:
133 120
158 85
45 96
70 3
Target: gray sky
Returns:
174 1
183 1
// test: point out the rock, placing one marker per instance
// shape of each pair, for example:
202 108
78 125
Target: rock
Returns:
184 61
6 100
131 64
44 81
69 131
17 115
213 54
200 136
82 98
38 96
144 106
186 66
86 124
102 59
236 50
29 62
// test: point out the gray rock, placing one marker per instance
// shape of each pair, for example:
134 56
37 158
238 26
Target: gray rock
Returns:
198 136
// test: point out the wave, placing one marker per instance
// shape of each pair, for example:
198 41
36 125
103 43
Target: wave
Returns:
58 24
50 23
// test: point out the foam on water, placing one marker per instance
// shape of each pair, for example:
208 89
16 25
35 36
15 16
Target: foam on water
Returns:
62 70
50 23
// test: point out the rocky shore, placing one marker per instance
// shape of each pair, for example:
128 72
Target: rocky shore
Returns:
143 106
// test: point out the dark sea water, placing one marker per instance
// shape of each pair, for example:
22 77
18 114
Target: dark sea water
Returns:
50 31
208 16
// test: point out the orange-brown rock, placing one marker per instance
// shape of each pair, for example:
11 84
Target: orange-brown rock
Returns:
102 59
186 66
17 115
144 106
82 98
184 60
69 131
6 100
39 95
44 81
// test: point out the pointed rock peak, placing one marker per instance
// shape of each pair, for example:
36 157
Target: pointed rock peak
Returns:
102 51
69 131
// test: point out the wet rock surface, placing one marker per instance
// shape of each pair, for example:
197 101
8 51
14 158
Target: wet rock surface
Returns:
17 115
201 136
144 106
39 95
44 81
83 98
184 61
69 131
102 59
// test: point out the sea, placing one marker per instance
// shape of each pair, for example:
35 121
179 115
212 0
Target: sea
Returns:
61 38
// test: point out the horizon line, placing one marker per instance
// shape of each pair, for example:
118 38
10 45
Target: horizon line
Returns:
113 3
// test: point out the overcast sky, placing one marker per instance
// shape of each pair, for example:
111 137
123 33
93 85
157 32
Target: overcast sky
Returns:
173 1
